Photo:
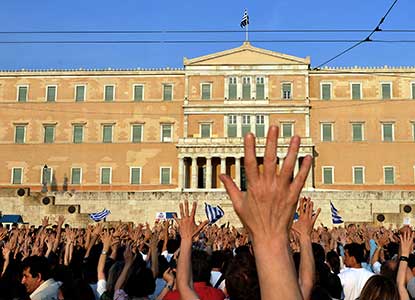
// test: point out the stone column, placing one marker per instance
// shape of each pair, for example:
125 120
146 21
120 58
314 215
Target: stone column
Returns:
193 184
238 171
208 173
222 168
180 184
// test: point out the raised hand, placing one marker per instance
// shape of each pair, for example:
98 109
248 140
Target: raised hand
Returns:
307 219
187 226
45 222
407 244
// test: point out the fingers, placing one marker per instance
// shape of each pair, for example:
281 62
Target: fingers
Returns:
194 206
181 210
186 208
232 190
290 160
315 216
270 155
302 174
250 162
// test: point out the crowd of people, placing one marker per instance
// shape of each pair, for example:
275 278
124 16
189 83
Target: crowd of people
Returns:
270 257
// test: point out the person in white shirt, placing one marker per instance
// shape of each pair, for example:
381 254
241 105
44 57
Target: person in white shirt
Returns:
36 279
354 276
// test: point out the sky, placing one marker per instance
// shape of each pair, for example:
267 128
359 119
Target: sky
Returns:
106 15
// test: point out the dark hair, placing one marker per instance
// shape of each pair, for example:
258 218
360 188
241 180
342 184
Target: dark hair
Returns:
379 287
140 281
37 265
200 266
318 252
218 259
333 260
355 250
389 269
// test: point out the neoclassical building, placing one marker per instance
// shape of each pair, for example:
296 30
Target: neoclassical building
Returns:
178 129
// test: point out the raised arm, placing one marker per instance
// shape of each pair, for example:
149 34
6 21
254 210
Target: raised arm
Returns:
106 244
267 210
405 248
59 222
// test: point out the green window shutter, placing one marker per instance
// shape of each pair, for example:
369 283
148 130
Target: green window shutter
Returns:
20 134
356 91
389 175
387 132
326 91
76 176
386 91
286 91
137 133
358 175
206 91
80 93
260 91
138 93
51 94
231 130
245 129
260 130
167 92
78 134
287 130
246 91
232 91
165 175
413 90
105 176
17 175
49 134
327 136
47 175
327 175
166 133
357 132
205 131
135 175
22 96
109 93
107 134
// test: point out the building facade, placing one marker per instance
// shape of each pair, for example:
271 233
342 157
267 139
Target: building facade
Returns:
178 129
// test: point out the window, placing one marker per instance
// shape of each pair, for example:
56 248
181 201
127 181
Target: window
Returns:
232 88
20 134
49 134
326 91
136 133
388 132
357 132
22 92
386 91
76 175
106 175
107 133
260 88
232 127
78 133
356 91
286 91
165 175
389 175
326 132
206 91
46 175
328 175
166 132
167 92
413 131
260 126
246 124
246 88
51 93
135 175
205 130
138 92
287 130
358 175
413 90
80 93
109 92
17 175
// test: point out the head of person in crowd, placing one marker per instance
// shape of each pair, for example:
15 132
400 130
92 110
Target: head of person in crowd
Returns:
140 281
200 266
75 290
389 268
36 270
379 287
351 228
411 263
353 255
242 278
333 260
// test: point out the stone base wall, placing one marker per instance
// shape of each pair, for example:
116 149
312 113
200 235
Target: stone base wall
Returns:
353 206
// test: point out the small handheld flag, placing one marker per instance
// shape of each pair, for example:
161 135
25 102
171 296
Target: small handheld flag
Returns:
245 19
336 219
99 215
213 213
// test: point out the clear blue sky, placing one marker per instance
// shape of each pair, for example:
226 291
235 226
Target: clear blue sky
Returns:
29 15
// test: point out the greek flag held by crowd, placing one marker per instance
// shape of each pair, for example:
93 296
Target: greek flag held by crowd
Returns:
99 215
213 213
336 218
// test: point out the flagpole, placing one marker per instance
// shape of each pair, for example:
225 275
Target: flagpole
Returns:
246 32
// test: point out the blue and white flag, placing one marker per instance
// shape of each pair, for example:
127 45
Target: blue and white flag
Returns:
213 213
99 215
336 219
245 19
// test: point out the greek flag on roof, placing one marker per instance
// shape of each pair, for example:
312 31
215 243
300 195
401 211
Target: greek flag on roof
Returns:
245 19
336 219
213 213
99 215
